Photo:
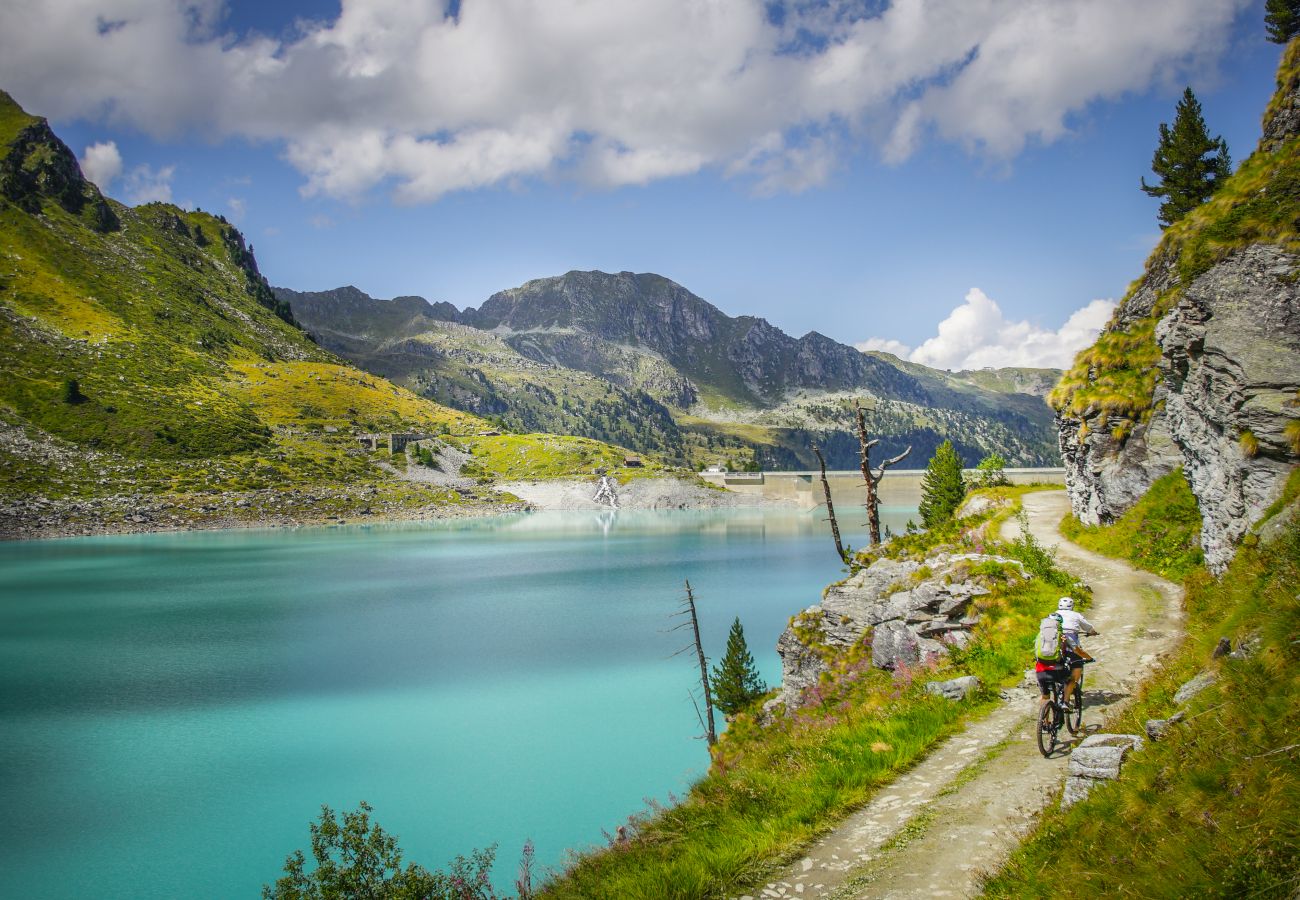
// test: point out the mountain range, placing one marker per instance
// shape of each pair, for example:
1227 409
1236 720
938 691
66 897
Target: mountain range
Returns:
640 360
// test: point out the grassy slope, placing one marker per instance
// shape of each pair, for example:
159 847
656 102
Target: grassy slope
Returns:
1260 203
1208 811
773 789
191 381
1161 533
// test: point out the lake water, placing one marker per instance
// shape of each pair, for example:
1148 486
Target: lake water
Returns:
175 708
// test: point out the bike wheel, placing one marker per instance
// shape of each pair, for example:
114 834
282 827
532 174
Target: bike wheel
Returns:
1074 717
1047 729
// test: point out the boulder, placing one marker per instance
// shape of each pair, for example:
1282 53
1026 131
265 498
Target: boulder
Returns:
954 689
894 643
1098 758
1158 728
1191 688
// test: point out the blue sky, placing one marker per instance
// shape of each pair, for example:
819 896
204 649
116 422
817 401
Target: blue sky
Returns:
805 164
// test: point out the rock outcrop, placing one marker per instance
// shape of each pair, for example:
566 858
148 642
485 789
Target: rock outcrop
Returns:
1098 758
1231 359
904 612
1108 467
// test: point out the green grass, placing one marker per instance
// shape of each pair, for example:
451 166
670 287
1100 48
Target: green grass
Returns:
1161 533
1210 810
772 789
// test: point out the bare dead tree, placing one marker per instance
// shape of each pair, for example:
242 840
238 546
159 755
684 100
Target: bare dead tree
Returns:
873 478
830 506
693 622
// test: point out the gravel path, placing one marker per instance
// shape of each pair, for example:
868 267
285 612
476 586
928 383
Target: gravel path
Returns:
934 830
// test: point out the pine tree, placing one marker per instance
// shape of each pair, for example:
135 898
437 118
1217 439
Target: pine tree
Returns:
736 682
942 488
1190 163
1282 20
71 393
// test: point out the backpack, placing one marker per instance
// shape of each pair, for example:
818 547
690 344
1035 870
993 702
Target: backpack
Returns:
1048 646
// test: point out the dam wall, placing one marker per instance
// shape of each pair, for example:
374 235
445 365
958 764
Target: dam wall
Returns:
899 488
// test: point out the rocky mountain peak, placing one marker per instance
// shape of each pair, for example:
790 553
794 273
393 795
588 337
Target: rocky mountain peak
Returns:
37 167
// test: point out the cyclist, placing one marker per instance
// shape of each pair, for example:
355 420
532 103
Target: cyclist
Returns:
1052 669
1072 625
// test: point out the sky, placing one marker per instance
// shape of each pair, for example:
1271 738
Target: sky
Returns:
955 181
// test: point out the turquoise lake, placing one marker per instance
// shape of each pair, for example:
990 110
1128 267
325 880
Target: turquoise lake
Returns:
175 708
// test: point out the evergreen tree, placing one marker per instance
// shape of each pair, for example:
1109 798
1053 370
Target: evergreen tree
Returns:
71 392
735 682
1190 163
1282 20
942 488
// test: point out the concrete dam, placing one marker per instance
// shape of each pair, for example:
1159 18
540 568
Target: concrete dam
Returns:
899 488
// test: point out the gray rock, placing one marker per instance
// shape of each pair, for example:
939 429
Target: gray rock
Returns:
1158 728
1128 741
959 639
1223 648
892 644
1096 762
1076 789
1098 758
1191 688
1246 649
954 689
1229 348
953 604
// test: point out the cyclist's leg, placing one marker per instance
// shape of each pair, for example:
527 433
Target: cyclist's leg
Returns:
1076 672
1044 689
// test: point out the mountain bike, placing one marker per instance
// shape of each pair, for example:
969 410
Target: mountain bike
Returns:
1055 713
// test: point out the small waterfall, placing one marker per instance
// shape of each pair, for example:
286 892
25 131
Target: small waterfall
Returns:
606 491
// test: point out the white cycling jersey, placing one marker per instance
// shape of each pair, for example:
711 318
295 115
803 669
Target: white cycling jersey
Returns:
1072 624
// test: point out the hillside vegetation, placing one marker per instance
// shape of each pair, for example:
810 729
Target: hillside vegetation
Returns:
1209 809
148 368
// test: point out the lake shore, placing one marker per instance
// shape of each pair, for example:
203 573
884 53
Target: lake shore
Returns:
37 518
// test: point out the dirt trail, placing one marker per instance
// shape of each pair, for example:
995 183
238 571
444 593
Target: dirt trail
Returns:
957 812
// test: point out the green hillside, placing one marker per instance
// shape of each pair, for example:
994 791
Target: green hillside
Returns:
147 361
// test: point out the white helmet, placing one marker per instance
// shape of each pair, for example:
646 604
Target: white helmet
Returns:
1065 603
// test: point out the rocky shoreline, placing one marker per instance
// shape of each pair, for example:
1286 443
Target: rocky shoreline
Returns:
39 518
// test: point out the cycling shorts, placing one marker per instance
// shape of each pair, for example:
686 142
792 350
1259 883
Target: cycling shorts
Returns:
1057 674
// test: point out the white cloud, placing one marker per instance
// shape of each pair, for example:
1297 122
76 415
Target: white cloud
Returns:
397 93
101 163
145 184
977 335
237 206
887 345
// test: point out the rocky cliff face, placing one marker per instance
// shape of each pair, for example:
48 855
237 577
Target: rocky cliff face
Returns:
1231 364
1111 461
1200 367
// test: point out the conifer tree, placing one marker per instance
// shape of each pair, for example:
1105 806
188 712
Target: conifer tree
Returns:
735 681
942 488
1282 20
1190 163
